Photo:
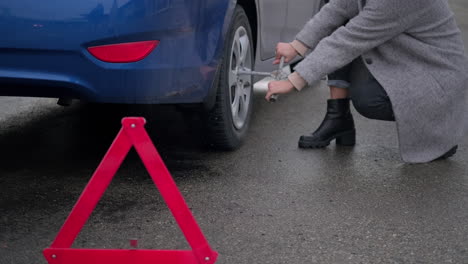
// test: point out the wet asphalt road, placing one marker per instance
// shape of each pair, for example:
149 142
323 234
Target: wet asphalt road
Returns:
268 202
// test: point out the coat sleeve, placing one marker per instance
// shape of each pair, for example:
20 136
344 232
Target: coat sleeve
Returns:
333 15
378 22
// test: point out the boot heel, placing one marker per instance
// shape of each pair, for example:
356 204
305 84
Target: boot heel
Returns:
348 139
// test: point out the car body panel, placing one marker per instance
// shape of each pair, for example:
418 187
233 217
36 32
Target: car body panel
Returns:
43 49
272 17
298 13
281 20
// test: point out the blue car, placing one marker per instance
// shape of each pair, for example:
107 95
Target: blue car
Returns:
182 52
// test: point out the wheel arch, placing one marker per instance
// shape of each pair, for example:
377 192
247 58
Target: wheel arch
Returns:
250 8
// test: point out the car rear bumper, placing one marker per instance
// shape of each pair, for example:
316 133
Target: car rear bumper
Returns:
48 57
159 78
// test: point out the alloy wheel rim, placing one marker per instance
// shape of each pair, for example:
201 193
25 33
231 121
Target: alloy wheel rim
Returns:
240 86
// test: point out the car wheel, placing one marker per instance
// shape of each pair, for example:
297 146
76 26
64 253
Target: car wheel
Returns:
229 120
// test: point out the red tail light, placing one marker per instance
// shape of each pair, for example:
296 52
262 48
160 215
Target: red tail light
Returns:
124 52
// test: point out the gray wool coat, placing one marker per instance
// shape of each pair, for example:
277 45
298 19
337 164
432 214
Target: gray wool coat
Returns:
416 53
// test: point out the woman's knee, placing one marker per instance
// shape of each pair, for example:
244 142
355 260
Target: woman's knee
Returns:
362 107
373 108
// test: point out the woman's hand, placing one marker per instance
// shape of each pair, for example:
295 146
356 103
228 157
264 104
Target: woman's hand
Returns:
285 50
278 87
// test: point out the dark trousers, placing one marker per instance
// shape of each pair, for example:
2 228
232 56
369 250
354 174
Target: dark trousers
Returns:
368 96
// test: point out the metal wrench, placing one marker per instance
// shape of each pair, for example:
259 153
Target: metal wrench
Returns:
277 75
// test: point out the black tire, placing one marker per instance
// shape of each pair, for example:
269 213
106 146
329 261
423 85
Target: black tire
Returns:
222 131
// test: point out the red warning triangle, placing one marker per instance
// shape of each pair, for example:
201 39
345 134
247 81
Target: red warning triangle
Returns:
133 134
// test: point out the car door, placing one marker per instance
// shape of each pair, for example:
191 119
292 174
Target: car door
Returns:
298 13
272 17
281 20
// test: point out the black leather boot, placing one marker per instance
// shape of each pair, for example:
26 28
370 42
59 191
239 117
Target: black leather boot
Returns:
338 124
449 153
